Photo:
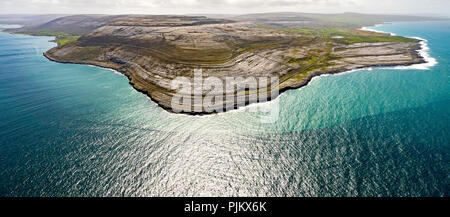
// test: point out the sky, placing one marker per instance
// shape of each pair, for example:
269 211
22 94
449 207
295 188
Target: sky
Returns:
412 7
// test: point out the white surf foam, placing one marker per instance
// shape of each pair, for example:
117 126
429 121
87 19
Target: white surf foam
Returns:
109 69
377 31
423 52
341 73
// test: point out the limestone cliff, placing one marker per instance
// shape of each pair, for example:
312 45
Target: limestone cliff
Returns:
153 51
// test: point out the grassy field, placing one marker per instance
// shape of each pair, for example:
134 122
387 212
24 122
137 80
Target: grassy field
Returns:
342 35
61 38
66 39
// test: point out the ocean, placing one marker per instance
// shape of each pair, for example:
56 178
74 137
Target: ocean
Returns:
78 130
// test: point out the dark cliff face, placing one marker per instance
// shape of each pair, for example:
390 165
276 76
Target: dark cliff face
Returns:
152 51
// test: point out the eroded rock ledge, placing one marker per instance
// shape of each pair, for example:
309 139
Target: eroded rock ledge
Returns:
152 54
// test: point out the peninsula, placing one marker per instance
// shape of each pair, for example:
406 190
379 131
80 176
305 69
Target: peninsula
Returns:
153 50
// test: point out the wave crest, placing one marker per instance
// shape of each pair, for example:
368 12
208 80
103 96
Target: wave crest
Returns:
423 52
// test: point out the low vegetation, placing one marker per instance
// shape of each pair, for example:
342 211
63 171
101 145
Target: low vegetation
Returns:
61 38
66 39
342 35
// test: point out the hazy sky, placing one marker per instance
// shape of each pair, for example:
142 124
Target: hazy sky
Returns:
224 6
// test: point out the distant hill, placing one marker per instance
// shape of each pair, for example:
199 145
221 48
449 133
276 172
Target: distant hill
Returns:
28 20
75 24
83 24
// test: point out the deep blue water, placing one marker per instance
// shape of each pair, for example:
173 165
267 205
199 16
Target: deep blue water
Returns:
75 130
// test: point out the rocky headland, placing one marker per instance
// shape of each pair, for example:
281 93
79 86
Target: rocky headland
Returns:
152 51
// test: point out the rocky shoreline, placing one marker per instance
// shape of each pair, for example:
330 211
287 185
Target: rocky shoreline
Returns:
152 57
305 82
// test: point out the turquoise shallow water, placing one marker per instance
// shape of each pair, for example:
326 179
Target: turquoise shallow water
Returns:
75 130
